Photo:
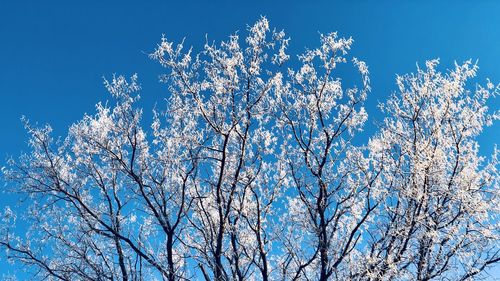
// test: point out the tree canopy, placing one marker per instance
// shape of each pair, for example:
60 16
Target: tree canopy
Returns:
249 172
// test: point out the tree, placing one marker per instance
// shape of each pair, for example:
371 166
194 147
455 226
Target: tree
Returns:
226 94
440 200
249 173
331 199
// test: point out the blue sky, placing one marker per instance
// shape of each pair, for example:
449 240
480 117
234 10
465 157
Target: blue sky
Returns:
53 54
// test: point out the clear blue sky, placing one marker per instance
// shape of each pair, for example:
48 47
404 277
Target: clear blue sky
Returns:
53 54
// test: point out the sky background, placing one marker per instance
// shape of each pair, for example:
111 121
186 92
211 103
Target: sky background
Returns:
54 54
